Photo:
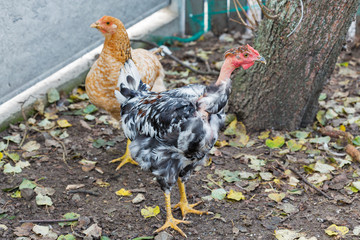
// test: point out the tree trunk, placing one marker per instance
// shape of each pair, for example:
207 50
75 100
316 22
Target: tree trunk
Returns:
283 94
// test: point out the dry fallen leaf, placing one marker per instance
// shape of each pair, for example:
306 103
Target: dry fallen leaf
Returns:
150 212
31 146
63 123
85 124
334 230
41 230
87 165
45 191
123 192
276 142
221 144
93 231
74 186
51 116
101 183
264 135
24 230
42 200
277 197
138 199
234 195
286 234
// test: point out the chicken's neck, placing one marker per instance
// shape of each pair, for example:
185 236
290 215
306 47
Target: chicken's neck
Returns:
225 72
118 46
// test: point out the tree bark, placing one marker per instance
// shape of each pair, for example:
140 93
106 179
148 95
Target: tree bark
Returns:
283 94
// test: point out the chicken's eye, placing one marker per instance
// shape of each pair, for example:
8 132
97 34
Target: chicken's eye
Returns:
246 55
108 23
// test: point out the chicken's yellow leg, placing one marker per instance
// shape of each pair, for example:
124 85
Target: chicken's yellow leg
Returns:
126 158
184 205
170 220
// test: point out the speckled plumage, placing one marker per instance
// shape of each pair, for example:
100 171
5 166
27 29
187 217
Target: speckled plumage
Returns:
173 131
102 79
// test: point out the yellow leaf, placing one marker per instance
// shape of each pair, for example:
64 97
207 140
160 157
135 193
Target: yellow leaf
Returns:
233 195
63 123
242 128
80 91
231 129
101 183
277 197
342 128
244 139
293 145
264 135
16 194
150 212
221 144
123 192
208 163
51 116
277 142
277 181
238 129
1 155
336 230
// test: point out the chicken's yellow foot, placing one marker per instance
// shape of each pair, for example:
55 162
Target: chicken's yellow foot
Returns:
170 220
126 158
184 205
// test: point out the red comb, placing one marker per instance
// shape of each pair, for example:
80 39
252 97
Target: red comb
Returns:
252 49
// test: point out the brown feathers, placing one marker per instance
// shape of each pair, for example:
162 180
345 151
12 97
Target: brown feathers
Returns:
103 76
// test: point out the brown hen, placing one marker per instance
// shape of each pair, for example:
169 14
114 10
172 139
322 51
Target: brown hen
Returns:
103 76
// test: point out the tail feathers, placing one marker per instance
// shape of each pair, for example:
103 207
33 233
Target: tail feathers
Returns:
120 98
124 94
129 76
129 83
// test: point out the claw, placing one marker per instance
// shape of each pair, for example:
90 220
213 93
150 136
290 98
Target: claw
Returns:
173 222
170 220
186 208
184 205
126 158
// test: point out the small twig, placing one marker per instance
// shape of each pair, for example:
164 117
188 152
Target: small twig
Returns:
244 12
301 18
241 19
84 191
64 149
192 69
207 66
49 221
267 9
288 217
309 184
249 27
213 181
61 143
26 124
265 13
176 59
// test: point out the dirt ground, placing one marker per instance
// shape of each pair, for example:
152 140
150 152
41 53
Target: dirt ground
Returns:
300 209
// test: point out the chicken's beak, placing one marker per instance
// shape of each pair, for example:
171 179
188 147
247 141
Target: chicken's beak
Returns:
261 59
95 25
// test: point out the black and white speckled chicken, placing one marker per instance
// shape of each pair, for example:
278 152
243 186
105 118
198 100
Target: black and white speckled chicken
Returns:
173 131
